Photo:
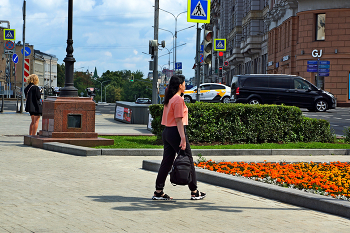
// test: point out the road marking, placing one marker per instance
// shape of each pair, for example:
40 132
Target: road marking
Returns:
338 118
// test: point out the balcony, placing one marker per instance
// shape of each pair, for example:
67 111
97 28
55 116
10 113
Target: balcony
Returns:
252 45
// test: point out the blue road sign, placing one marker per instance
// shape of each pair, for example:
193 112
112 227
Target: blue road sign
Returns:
28 51
198 11
325 62
9 45
323 70
15 58
312 62
220 45
323 74
312 70
178 65
202 48
324 66
9 34
201 58
312 66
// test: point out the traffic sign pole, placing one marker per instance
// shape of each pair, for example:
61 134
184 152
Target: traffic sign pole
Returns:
198 64
24 45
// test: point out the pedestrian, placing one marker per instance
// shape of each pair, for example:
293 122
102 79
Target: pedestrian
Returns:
33 102
175 119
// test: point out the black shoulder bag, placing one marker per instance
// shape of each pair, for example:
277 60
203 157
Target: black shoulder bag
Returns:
180 173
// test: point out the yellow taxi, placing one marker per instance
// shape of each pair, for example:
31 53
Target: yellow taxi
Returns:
209 92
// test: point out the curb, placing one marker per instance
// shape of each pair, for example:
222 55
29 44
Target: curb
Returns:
287 195
71 149
87 151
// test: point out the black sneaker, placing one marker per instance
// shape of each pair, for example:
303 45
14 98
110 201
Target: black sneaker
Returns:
198 195
161 196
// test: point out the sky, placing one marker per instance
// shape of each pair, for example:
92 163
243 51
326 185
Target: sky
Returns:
107 34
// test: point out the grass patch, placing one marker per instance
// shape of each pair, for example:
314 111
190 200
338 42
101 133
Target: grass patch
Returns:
151 142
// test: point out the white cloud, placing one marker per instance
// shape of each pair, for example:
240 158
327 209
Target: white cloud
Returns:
108 54
108 34
130 66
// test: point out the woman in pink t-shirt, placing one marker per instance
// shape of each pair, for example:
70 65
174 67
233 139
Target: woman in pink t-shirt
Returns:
175 118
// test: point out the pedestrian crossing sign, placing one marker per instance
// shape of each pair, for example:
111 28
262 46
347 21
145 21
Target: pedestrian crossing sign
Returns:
9 34
198 11
219 44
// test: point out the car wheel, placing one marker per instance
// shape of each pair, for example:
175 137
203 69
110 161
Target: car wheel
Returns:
254 101
187 99
226 100
321 105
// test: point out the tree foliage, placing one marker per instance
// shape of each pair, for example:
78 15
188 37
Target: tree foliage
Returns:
116 84
60 75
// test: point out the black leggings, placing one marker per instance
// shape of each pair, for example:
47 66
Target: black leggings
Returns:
171 141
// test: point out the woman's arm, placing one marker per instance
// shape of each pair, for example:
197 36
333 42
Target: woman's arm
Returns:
38 93
180 128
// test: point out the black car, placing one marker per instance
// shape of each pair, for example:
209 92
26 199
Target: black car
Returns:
280 89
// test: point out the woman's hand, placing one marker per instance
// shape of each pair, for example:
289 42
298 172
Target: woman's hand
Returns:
180 128
183 143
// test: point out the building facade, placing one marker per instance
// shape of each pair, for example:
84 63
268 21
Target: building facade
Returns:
36 62
241 23
313 41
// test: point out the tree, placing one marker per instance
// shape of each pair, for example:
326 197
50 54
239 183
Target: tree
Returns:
60 75
82 80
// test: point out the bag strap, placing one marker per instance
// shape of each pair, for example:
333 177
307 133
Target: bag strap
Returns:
29 90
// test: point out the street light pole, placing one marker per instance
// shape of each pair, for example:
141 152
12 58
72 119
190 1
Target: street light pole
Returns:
155 62
69 90
106 93
172 47
101 86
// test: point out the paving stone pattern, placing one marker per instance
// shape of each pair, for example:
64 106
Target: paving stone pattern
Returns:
45 191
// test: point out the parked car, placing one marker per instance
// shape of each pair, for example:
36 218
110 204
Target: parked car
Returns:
209 92
143 101
280 89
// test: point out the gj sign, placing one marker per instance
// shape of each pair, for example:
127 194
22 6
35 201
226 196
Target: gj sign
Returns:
316 53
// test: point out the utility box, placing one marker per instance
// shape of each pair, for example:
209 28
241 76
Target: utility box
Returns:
131 113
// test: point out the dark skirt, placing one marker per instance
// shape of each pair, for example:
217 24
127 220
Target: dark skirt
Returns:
35 114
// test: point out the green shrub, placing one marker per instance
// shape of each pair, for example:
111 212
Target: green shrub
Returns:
241 123
347 134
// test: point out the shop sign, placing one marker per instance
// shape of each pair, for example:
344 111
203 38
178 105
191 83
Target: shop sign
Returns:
316 53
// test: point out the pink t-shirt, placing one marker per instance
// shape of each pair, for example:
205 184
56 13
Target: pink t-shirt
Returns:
176 108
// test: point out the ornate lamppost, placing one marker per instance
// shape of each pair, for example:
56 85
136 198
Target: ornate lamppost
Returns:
69 90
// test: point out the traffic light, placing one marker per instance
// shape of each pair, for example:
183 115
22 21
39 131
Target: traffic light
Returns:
208 46
152 45
220 71
132 78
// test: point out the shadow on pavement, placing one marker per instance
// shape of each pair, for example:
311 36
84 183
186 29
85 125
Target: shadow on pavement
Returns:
142 203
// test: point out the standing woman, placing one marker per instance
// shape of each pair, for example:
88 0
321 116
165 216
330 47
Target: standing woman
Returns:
33 102
175 118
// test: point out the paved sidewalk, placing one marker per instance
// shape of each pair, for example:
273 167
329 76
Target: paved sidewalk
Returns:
45 191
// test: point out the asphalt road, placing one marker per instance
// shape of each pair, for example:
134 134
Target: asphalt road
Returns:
338 118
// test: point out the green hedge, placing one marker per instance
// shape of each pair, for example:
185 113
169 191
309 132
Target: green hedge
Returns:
242 123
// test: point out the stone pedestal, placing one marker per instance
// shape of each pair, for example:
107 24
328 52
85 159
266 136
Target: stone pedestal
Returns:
68 120
60 116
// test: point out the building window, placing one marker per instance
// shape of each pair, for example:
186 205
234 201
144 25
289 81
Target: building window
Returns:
320 26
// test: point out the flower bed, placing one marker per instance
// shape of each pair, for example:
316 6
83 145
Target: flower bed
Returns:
322 178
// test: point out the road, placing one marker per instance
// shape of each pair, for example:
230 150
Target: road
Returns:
338 118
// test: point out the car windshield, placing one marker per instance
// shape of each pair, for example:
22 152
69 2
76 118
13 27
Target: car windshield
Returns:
193 88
